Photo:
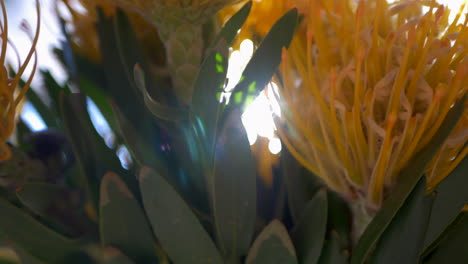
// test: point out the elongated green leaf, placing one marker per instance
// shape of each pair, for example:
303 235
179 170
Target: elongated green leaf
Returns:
231 28
140 150
309 233
301 185
267 57
212 77
39 197
340 218
409 178
43 110
120 52
403 239
453 246
272 246
36 239
54 89
451 196
122 221
234 194
174 224
207 91
332 252
158 109
92 154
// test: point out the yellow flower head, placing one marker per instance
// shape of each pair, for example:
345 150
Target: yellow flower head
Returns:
367 85
10 98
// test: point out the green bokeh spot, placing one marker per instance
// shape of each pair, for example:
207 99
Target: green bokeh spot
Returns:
219 57
219 68
238 97
252 87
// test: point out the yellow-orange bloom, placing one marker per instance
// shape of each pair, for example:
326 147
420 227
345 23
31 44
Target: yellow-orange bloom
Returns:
366 86
10 98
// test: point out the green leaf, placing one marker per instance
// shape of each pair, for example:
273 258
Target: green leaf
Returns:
122 222
39 197
409 176
272 246
42 109
332 252
120 52
93 155
210 82
36 239
402 241
309 233
158 109
266 59
54 89
234 194
174 224
339 218
138 147
301 185
451 196
453 246
232 26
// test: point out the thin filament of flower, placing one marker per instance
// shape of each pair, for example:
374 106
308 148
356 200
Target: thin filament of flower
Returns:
424 125
322 111
426 43
336 127
377 178
417 144
4 28
359 139
402 76
32 51
288 97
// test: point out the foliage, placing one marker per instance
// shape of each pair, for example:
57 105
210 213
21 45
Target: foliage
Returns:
191 193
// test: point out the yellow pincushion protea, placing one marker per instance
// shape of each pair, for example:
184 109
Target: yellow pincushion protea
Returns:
366 86
10 98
